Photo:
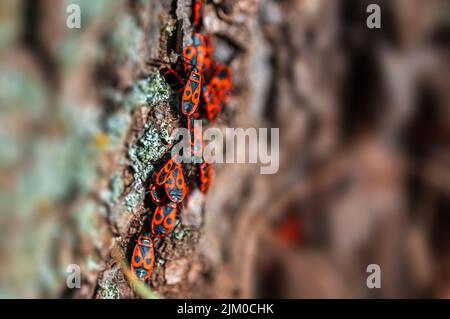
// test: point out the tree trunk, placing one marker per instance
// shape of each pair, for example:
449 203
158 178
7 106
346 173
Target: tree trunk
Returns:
362 151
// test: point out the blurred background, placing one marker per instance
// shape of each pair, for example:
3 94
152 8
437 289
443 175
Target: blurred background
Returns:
364 178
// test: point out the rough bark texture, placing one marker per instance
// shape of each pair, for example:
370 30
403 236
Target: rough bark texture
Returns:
364 136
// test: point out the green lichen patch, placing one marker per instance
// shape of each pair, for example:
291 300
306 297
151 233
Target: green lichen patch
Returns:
148 149
155 140
180 234
146 92
134 197
153 143
149 92
108 290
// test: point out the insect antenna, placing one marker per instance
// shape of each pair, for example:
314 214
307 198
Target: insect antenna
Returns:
191 63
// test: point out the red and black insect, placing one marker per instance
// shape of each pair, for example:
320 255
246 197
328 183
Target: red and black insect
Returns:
143 258
197 13
164 172
186 200
196 141
163 219
209 48
173 78
190 54
193 57
191 93
191 88
155 194
199 43
202 82
204 177
175 185
212 105
196 52
221 81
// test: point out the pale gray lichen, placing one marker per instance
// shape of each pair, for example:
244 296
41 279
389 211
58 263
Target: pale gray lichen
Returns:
180 234
160 91
108 284
108 290
148 92
153 143
164 134
134 197
148 148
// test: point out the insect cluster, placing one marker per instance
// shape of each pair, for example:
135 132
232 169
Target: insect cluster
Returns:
204 85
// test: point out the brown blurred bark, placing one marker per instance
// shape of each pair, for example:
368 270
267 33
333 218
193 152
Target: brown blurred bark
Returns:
344 97
314 70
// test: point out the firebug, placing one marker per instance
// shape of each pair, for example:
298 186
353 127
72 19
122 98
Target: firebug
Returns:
163 219
143 258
